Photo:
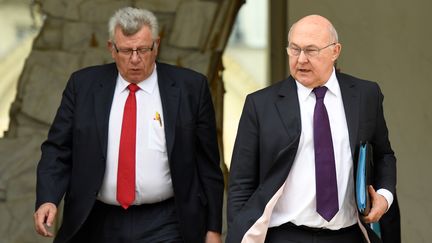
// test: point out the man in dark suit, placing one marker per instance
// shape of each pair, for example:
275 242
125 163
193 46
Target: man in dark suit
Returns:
159 117
278 189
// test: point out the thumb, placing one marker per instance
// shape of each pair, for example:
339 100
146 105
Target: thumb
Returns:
372 192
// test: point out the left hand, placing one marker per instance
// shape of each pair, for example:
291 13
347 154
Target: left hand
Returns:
213 237
379 206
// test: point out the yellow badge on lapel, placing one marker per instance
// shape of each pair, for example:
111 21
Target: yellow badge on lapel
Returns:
158 118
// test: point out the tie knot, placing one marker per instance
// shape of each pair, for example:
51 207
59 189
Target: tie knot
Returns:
133 88
320 92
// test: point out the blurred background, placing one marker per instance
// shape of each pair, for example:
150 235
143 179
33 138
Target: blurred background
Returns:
240 46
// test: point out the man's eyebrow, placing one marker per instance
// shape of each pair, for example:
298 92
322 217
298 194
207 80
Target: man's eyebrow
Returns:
308 46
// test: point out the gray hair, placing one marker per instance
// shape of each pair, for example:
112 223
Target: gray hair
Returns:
333 33
131 20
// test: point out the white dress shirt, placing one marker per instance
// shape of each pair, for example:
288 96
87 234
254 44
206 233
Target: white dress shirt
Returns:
297 203
153 177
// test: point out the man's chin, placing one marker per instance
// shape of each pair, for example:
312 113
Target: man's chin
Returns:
135 78
307 82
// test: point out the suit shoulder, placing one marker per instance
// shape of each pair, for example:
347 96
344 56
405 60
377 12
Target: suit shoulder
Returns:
87 77
355 80
95 70
367 88
269 91
179 72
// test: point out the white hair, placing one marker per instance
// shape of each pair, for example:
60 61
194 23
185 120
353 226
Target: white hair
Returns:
131 20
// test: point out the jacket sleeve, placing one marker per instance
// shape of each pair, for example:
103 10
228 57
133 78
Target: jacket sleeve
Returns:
54 167
208 159
244 169
384 158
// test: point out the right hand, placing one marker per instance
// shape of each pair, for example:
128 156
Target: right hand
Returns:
43 219
379 207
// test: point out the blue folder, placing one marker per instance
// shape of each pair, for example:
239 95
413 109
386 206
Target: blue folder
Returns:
363 180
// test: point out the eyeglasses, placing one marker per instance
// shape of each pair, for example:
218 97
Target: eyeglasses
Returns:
309 52
128 52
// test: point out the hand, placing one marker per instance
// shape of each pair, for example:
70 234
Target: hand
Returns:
44 217
379 206
213 237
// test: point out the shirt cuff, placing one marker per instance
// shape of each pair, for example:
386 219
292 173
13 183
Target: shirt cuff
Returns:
387 195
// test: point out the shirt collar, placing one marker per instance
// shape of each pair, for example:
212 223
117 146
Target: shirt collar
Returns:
332 85
146 85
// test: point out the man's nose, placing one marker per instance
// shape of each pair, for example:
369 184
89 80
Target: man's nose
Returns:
302 57
135 57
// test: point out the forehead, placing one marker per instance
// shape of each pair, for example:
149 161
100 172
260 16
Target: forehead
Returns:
143 35
306 34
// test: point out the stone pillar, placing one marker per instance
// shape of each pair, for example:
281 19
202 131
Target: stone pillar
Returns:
278 40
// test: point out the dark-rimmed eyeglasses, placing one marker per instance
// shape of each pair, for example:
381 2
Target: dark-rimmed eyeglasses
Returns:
128 52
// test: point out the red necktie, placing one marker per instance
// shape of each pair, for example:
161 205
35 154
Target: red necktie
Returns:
126 161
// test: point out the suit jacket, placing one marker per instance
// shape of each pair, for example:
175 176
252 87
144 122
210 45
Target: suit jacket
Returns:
74 155
267 142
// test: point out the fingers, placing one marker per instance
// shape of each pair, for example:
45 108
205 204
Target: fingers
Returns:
379 206
50 219
213 237
44 218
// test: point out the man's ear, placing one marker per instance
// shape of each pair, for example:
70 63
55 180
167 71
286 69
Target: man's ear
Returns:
336 51
157 42
156 46
110 47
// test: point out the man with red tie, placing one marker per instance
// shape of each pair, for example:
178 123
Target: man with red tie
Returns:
132 149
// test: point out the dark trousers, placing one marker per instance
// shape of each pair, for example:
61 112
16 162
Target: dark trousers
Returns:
147 223
290 233
390 224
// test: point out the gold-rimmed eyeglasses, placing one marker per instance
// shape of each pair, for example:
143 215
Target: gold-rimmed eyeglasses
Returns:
309 52
128 52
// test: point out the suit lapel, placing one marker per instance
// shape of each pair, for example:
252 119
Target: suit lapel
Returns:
104 92
170 97
253 220
351 102
288 107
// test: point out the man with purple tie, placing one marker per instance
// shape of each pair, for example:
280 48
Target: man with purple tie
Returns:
293 164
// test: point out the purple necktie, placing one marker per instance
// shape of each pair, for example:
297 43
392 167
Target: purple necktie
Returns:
325 172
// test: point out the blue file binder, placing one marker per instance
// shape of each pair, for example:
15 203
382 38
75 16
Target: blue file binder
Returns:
363 180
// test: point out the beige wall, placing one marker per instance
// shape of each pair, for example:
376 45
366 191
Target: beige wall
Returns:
389 41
